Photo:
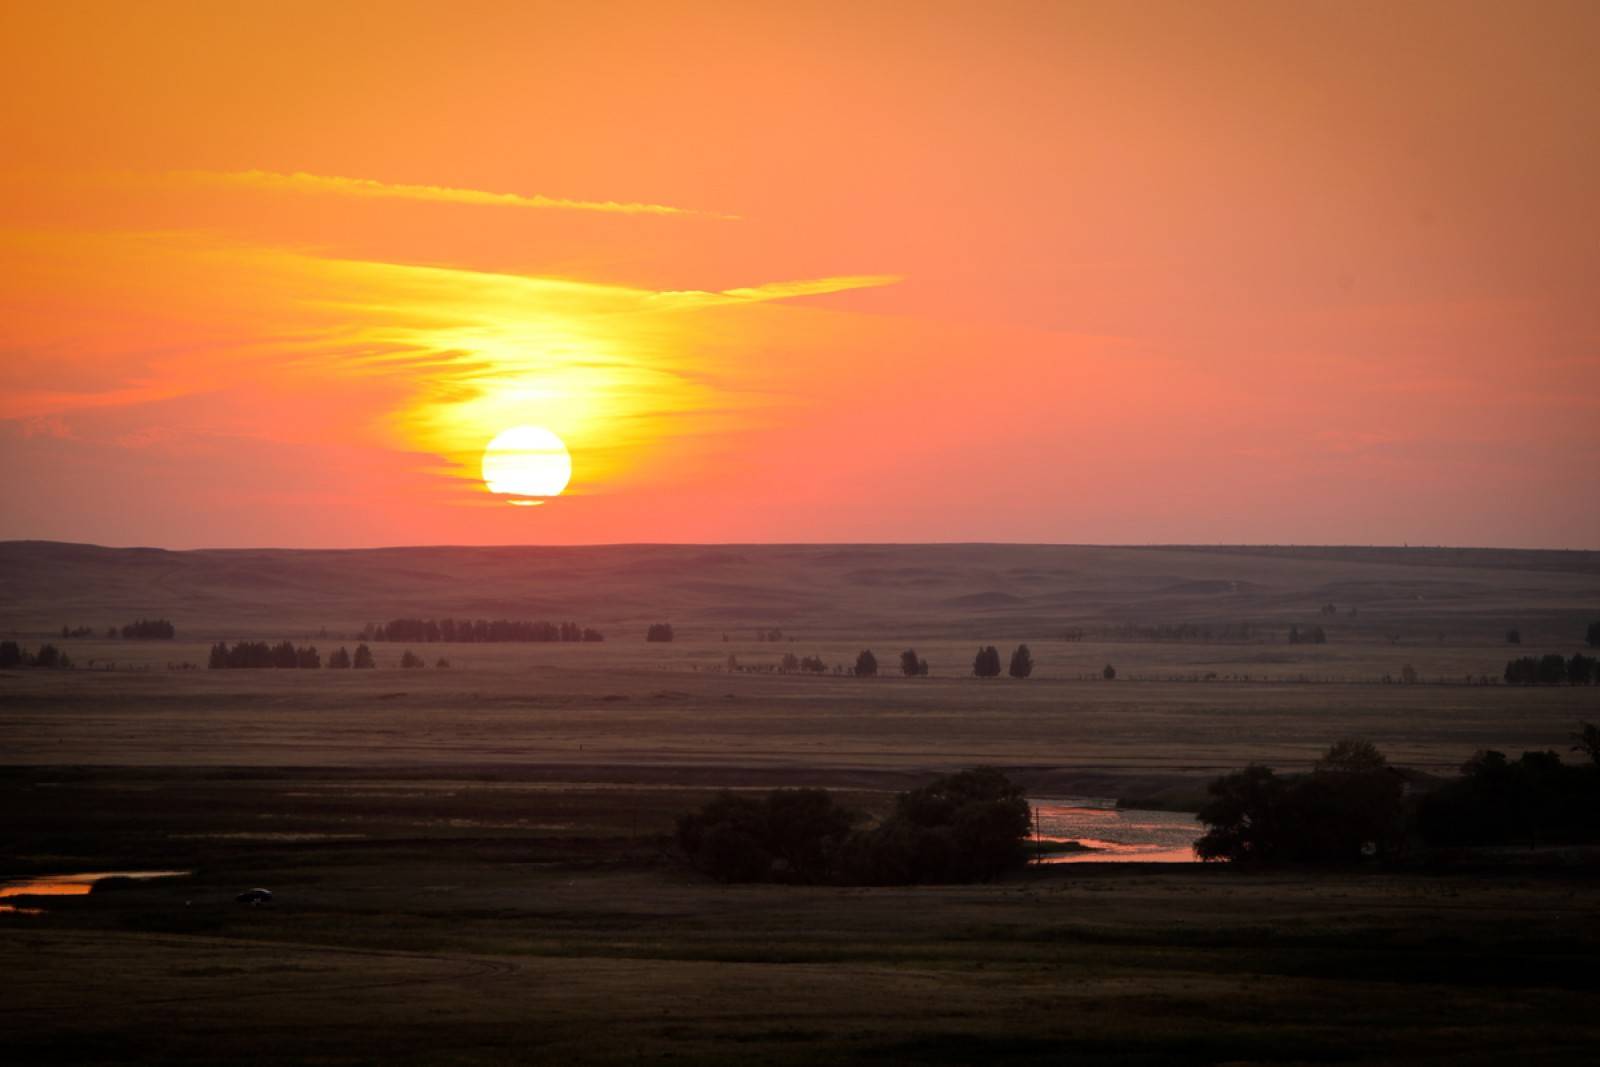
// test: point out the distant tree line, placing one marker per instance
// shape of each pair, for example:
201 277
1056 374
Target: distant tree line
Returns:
966 827
47 656
252 655
149 630
1553 669
479 631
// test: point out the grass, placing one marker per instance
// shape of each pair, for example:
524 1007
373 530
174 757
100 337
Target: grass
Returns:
471 865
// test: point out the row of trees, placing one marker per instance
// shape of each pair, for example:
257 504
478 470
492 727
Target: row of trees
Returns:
1354 806
48 656
285 655
479 631
964 827
1553 669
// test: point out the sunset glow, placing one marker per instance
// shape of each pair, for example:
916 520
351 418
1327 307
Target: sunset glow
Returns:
1118 272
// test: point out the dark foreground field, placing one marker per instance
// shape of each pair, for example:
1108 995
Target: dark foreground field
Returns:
471 865
487 918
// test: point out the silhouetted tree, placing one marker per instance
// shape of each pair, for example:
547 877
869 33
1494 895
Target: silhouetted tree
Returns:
411 661
1109 674
1587 741
1021 662
964 827
792 835
659 631
1581 669
442 665
50 656
1593 635
1294 635
866 664
910 665
1513 636
790 662
150 630
10 654
340 659
363 658
986 664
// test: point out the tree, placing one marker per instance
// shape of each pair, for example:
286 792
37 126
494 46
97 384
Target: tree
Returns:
1593 635
1109 674
986 664
1352 756
411 661
1513 636
659 631
1581 669
1021 662
10 654
964 827
1587 741
1408 674
363 659
910 665
789 663
792 835
866 664
1243 817
340 659
1294 635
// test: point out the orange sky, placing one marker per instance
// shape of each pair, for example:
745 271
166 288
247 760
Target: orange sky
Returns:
1042 272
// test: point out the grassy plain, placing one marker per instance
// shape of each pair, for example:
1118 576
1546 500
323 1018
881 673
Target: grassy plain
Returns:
470 863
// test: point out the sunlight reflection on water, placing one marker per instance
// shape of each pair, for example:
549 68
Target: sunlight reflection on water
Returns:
1115 835
67 885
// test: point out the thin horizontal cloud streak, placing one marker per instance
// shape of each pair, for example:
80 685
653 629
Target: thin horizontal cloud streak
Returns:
334 185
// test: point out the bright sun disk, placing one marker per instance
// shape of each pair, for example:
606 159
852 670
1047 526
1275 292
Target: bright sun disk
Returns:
527 463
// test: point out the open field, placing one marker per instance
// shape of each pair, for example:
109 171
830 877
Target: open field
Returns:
471 864
479 919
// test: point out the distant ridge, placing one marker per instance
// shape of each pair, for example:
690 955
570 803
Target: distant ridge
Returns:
994 590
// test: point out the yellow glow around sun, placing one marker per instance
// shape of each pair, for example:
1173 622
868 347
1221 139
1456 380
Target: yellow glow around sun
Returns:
527 463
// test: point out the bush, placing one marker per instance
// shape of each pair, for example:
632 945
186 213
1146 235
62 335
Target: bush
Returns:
659 631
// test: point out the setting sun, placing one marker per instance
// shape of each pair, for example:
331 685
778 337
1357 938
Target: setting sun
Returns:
527 463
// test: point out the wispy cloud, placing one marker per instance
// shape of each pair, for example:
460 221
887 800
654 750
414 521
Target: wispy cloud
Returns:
368 188
755 294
